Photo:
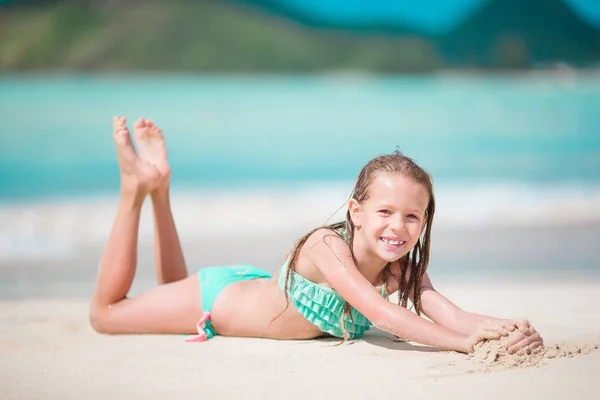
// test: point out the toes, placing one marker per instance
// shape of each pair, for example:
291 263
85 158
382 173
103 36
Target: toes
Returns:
119 121
122 135
139 129
139 123
154 129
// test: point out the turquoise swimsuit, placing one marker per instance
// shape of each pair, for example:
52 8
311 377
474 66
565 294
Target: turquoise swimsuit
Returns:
323 306
214 279
320 305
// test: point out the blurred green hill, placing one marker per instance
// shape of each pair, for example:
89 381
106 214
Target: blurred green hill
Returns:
505 34
247 36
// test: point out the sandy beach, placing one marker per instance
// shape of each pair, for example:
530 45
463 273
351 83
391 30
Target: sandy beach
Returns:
547 274
49 351
263 153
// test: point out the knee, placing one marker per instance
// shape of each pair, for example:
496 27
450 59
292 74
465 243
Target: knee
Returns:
98 319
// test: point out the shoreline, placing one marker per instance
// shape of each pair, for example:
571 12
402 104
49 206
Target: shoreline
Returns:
472 255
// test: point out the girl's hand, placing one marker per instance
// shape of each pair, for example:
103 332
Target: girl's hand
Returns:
525 340
518 323
490 330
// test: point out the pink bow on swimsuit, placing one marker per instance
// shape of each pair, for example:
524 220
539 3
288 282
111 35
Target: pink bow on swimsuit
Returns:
201 336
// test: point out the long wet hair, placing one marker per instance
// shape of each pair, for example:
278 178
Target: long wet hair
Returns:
416 260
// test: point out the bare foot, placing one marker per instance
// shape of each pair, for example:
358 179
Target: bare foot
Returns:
136 174
152 148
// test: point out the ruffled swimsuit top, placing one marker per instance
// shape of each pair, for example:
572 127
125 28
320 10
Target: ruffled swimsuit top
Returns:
323 306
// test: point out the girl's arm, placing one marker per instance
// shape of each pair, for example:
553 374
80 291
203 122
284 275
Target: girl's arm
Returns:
443 312
333 258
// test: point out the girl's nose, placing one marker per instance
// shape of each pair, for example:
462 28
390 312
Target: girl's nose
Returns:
397 223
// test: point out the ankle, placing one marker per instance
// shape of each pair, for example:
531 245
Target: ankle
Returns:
133 195
160 194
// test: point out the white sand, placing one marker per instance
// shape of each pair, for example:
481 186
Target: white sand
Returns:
47 350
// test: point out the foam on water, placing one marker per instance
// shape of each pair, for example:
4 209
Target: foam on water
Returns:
54 230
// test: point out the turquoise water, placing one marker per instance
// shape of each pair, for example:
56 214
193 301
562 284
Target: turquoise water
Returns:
224 131
515 161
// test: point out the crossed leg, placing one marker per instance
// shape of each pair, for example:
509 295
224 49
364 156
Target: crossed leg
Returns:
174 306
170 263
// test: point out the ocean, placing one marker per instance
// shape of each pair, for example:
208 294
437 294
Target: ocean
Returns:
228 130
267 153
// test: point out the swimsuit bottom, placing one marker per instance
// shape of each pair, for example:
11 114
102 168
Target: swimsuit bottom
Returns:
212 282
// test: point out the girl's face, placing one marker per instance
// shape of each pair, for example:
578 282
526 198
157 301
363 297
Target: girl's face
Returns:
391 220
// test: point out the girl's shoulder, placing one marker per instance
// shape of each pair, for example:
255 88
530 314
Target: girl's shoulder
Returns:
325 232
304 263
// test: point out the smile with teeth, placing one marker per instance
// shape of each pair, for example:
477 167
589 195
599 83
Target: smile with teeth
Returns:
392 242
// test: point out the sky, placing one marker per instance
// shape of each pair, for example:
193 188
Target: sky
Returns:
432 15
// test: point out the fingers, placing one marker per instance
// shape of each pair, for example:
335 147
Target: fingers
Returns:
492 334
521 336
506 330
503 328
524 330
509 326
514 338
538 348
491 330
524 343
530 345
483 334
523 325
488 333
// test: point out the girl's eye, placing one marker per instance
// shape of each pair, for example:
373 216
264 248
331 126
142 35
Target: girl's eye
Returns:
412 216
387 212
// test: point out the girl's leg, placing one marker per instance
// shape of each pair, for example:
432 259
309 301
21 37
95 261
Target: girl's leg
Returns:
170 263
171 308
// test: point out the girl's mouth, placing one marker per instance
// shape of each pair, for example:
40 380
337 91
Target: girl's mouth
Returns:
395 243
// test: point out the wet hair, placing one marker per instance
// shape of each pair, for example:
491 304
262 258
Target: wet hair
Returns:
416 260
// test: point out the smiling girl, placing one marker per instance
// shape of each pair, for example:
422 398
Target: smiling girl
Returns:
336 280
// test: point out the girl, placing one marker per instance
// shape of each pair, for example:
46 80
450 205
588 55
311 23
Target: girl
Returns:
335 281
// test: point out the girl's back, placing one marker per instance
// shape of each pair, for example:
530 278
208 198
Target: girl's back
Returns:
252 308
